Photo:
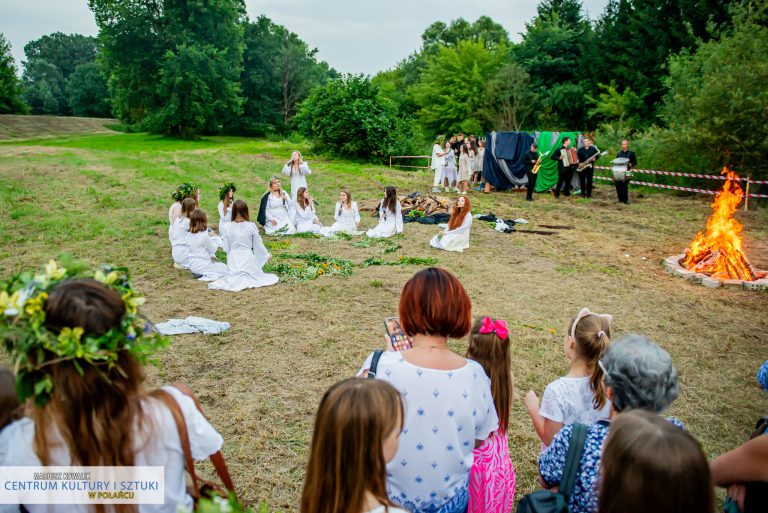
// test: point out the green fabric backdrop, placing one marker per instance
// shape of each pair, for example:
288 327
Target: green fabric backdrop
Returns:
548 172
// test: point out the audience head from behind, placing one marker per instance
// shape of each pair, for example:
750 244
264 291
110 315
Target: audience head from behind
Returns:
357 431
198 221
10 407
588 337
639 374
240 211
435 303
187 207
489 346
651 465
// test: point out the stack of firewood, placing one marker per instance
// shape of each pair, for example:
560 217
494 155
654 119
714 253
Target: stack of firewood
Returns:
736 265
427 204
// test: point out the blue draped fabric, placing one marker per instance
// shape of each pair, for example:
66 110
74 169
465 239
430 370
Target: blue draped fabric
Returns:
503 162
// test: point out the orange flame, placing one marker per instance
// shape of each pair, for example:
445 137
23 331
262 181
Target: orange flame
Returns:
718 251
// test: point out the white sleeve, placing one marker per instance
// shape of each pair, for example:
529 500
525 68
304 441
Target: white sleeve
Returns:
487 420
268 211
204 440
336 215
381 211
355 212
287 170
212 244
365 367
225 238
398 218
551 407
221 210
258 245
304 169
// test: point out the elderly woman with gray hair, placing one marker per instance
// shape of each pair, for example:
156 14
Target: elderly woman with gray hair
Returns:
638 374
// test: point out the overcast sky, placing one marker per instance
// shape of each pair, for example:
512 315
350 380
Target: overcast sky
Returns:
353 36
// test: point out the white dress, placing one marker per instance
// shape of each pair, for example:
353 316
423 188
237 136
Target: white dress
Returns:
437 163
305 219
156 445
390 222
224 219
179 243
173 213
345 220
246 255
298 178
202 248
454 240
280 210
445 412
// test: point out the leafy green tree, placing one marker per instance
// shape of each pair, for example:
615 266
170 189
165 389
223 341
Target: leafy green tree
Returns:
41 97
53 58
87 92
483 29
450 91
509 100
717 101
348 117
10 87
625 108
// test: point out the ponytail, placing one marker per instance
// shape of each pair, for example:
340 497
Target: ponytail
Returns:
592 334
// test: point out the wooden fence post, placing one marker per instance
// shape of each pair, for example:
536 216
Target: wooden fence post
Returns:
746 196
390 162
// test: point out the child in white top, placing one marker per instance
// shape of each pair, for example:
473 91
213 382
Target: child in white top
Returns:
179 232
357 432
578 396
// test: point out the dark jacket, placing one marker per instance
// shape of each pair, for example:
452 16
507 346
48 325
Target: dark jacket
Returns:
262 217
629 154
584 154
527 158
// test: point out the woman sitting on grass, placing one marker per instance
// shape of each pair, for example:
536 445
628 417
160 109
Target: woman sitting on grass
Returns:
202 248
305 215
179 232
456 234
246 254
182 192
276 210
346 217
357 432
81 374
390 216
227 197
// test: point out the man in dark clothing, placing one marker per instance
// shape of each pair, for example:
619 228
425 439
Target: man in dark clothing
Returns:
587 174
456 145
622 186
564 173
529 160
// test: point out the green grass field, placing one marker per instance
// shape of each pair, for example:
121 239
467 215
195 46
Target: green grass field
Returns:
105 198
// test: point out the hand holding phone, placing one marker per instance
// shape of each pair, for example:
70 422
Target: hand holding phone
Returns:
396 337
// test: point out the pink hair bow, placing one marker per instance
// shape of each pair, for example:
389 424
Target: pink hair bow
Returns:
498 326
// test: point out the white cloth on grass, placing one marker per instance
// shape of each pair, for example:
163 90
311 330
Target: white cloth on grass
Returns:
179 242
298 177
345 220
570 400
390 222
454 240
246 256
156 444
191 324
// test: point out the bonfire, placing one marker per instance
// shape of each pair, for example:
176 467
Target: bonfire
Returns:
718 251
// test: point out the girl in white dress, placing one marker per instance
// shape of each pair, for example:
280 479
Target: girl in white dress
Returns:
578 396
305 215
449 168
390 216
276 210
465 167
202 248
456 234
179 232
182 192
438 160
297 169
346 217
227 197
354 414
246 254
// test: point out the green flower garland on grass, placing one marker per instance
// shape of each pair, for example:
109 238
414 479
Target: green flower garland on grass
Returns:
225 190
33 347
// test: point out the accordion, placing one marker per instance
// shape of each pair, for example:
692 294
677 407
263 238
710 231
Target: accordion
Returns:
570 157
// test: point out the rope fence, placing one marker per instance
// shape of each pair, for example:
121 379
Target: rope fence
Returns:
427 167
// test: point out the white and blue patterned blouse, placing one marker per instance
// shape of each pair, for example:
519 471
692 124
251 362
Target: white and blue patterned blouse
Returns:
552 463
445 412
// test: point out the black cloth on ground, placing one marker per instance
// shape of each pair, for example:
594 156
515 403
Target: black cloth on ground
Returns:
440 217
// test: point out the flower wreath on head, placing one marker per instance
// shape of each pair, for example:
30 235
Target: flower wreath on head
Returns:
225 190
33 347
184 191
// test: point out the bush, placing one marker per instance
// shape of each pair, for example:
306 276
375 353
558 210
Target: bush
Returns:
348 117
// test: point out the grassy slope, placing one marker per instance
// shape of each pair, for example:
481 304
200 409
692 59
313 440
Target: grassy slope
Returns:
105 198
20 127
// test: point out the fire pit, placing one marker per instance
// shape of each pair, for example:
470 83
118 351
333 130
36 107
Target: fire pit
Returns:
715 257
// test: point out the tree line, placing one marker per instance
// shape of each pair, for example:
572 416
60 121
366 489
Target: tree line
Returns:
644 68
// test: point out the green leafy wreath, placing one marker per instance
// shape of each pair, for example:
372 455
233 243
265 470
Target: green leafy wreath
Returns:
33 348
183 191
225 190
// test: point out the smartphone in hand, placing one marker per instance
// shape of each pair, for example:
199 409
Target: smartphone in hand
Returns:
398 340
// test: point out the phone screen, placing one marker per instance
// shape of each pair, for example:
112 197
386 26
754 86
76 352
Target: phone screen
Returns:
397 337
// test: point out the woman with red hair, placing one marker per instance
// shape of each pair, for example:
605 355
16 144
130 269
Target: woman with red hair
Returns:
456 234
449 405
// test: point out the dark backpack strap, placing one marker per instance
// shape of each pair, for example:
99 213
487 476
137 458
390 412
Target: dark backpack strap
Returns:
575 450
374 363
